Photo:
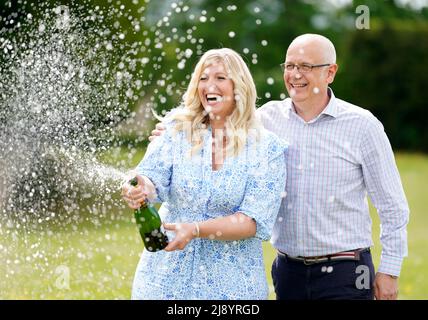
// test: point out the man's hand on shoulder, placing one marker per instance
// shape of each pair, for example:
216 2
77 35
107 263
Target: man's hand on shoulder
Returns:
158 131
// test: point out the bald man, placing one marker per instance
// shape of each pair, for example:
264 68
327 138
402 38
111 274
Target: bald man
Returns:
338 153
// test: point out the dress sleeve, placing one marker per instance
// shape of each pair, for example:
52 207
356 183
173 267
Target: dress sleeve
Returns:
157 163
265 188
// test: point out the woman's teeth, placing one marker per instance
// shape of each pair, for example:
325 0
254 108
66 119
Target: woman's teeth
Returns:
214 98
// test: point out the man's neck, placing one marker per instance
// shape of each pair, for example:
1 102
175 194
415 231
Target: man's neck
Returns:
311 109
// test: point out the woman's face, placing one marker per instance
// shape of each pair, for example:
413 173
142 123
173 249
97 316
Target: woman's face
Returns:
215 90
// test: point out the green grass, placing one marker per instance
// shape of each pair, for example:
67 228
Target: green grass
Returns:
101 259
414 275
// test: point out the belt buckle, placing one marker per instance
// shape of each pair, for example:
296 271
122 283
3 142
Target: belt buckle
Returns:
314 260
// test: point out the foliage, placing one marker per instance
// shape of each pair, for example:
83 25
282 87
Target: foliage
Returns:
388 69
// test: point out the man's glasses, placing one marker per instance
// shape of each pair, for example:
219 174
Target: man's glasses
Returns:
303 68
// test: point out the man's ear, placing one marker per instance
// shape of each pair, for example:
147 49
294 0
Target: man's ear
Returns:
332 72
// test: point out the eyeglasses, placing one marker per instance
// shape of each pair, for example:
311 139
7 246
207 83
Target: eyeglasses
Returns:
303 68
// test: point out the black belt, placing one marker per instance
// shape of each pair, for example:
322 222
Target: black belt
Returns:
345 255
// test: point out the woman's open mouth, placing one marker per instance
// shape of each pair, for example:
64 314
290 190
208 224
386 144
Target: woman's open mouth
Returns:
213 98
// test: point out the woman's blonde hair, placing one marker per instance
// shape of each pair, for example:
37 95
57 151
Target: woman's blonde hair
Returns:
193 119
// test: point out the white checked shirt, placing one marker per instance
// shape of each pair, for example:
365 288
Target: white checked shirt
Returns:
333 162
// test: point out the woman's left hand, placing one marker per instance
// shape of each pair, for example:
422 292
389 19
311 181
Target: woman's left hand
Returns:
184 233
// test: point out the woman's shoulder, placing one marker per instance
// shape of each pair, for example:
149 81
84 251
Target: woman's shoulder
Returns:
272 142
265 146
173 121
169 120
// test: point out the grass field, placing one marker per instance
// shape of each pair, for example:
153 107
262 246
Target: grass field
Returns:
98 261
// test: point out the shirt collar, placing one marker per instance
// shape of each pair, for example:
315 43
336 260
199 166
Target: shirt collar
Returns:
330 109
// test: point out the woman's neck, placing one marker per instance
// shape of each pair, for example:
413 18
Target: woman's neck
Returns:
216 125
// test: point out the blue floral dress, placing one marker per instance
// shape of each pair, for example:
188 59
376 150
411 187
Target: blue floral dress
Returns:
251 183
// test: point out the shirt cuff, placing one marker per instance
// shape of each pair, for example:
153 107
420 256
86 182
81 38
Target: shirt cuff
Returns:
390 265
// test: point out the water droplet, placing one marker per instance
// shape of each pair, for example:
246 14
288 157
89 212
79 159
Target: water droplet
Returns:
181 65
188 53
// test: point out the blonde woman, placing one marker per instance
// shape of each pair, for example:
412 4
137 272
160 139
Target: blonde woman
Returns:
221 176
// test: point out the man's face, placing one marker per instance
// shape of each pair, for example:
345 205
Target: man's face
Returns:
307 86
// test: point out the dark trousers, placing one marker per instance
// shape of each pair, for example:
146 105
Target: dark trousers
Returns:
344 279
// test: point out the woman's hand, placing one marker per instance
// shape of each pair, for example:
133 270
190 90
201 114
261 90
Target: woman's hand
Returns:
184 233
134 196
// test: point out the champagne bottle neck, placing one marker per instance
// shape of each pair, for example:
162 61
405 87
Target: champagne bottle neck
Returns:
143 205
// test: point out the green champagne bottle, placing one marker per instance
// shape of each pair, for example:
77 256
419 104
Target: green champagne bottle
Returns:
149 225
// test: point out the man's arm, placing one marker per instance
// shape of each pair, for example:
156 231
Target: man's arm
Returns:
384 187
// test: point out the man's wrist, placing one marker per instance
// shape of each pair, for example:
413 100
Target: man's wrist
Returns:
390 275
